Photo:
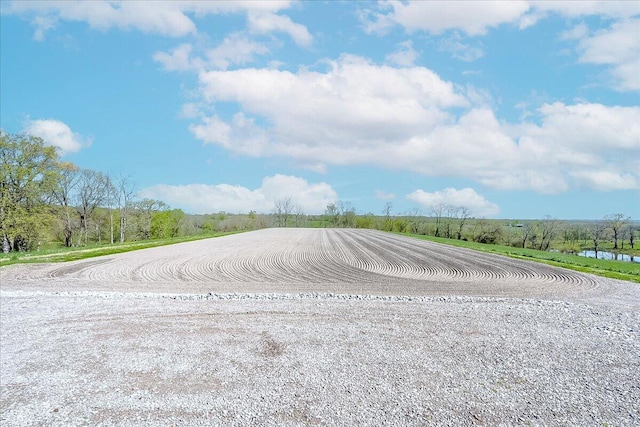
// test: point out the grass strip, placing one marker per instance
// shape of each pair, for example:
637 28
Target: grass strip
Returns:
78 253
613 269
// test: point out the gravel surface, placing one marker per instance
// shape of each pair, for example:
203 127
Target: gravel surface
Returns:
316 327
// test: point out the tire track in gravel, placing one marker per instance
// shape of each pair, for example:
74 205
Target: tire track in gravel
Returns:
354 261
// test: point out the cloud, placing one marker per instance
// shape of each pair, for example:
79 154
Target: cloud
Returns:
603 180
235 49
42 25
618 47
405 56
179 59
57 134
608 9
262 23
415 122
475 18
203 198
459 50
436 17
466 197
167 18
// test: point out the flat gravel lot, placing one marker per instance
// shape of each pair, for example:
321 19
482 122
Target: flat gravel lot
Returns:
316 327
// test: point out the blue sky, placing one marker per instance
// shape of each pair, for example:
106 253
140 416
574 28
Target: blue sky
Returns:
511 109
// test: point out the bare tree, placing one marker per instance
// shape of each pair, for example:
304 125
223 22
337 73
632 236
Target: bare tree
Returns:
437 211
451 214
413 219
283 208
548 228
347 214
91 193
300 216
616 222
463 215
63 194
111 198
124 199
386 211
528 231
332 212
598 230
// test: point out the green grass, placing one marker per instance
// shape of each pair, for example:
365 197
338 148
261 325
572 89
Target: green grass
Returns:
607 268
63 254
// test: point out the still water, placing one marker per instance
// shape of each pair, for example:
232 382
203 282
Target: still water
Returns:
609 255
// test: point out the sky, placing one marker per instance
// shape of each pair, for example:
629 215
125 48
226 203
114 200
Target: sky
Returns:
512 109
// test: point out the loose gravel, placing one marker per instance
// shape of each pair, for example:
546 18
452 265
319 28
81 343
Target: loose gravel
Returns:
316 327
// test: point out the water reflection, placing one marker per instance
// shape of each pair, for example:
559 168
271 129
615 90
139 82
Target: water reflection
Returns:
610 256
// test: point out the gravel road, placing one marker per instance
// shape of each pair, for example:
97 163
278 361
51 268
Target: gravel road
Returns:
316 327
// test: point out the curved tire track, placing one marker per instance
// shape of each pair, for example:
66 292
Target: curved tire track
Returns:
354 261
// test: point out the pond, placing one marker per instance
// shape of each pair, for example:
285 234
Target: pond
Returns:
609 255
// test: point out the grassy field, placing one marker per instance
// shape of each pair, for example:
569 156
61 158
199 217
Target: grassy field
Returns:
607 268
63 254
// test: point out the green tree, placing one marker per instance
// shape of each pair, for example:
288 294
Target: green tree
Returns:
166 223
29 171
143 213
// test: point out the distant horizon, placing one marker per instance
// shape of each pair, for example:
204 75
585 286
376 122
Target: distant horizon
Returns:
512 109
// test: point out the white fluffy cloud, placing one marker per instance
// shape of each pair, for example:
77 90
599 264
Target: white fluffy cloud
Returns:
168 18
466 197
404 56
471 17
262 23
617 47
57 134
416 122
460 50
203 198
474 17
235 49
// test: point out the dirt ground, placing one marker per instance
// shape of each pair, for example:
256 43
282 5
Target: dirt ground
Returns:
316 327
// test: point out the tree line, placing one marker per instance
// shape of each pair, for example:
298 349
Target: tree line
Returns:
45 199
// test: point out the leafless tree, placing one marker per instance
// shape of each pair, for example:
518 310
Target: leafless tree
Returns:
598 230
413 218
283 208
437 211
124 199
300 216
528 231
616 222
111 198
451 215
333 213
463 215
548 228
63 194
386 211
347 214
91 193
